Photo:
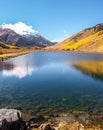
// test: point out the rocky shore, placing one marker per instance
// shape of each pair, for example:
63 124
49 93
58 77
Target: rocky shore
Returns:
11 119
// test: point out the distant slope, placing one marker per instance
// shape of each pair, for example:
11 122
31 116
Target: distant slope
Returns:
4 45
12 38
88 40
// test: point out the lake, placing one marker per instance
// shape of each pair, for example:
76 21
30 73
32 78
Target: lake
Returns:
47 82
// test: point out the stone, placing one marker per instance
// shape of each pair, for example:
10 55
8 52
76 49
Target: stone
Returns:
46 127
81 127
11 120
73 126
63 126
37 119
9 114
34 125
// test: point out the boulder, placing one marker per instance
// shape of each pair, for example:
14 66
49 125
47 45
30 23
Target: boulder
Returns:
10 119
9 114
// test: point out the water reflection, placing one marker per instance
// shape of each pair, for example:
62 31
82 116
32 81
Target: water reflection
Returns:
25 65
90 68
17 68
50 81
20 67
18 71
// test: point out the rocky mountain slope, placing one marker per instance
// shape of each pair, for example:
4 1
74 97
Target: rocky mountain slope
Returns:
10 37
6 46
88 40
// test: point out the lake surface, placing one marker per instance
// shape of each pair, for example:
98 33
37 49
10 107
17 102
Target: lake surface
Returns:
52 82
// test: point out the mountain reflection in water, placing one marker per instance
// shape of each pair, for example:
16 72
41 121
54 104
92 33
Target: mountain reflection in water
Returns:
90 68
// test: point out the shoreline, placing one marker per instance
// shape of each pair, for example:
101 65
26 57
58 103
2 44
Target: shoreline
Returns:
14 53
66 120
82 52
62 121
22 51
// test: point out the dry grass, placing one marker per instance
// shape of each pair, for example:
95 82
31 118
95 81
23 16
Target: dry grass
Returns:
8 53
92 43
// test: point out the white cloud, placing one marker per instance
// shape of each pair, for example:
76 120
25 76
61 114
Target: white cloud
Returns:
54 40
66 33
20 28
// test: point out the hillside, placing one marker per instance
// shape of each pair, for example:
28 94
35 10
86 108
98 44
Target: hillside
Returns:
13 44
88 40
8 51
12 38
6 46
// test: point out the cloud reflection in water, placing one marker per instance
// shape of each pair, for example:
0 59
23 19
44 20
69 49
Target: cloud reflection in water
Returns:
18 68
19 72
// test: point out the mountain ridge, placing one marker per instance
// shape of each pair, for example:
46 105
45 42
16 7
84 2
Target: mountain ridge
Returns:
87 40
10 37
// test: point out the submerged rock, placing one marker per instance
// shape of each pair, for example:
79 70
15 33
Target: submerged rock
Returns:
46 127
63 126
73 126
37 119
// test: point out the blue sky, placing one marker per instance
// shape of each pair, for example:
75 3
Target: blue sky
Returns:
53 19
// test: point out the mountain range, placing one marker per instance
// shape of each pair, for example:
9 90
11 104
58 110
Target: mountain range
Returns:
10 37
88 40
